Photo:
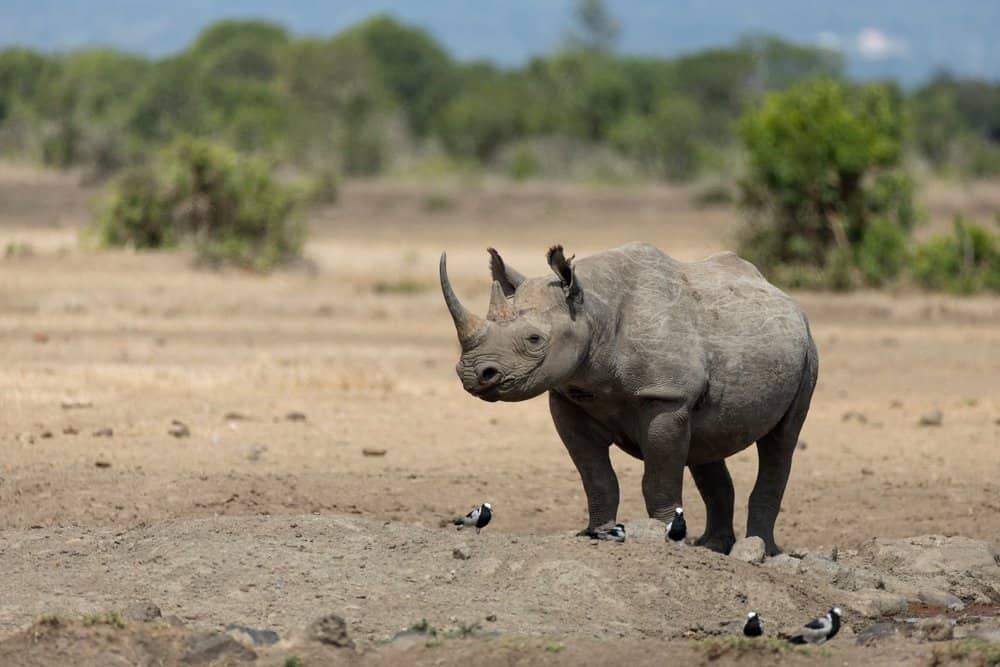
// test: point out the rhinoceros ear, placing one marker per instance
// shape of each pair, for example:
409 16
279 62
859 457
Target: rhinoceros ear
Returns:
567 274
508 278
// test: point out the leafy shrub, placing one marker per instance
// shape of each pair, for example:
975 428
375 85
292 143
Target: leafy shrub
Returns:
825 186
964 262
227 206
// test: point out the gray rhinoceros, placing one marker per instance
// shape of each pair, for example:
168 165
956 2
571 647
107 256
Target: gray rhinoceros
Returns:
679 364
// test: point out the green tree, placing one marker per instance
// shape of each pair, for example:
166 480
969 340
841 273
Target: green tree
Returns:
825 180
596 29
413 66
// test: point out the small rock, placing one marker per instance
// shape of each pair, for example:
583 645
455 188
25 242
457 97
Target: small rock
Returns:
105 432
782 561
491 618
873 603
895 404
876 633
373 451
70 430
939 598
935 629
748 550
213 646
252 636
40 337
820 567
178 429
867 472
932 418
295 416
645 531
801 444
330 629
101 463
235 417
46 434
142 612
76 405
461 552
859 417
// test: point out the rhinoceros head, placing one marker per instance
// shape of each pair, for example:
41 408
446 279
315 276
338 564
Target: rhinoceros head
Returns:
532 338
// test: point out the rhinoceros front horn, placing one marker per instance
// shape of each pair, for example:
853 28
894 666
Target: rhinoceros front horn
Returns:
468 325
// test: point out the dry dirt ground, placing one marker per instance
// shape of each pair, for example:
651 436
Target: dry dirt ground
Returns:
267 511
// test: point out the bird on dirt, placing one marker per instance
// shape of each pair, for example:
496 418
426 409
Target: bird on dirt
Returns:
819 629
477 518
754 627
677 529
615 534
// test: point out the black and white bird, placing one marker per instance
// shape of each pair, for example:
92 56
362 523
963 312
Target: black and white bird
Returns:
615 534
818 630
677 529
478 518
754 627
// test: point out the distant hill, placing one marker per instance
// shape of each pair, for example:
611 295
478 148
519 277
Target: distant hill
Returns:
904 39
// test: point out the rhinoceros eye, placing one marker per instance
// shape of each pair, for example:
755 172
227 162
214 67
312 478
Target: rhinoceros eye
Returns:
534 339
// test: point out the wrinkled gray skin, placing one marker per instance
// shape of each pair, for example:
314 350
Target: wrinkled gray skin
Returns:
679 364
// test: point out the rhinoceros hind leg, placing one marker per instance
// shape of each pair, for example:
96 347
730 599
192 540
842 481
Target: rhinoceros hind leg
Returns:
716 489
774 462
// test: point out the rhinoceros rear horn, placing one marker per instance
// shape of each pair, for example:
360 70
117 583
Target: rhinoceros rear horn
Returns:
468 325
501 310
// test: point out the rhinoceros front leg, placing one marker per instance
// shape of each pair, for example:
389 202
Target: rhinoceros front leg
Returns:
589 446
665 443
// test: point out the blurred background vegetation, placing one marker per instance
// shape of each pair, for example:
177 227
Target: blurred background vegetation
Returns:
823 167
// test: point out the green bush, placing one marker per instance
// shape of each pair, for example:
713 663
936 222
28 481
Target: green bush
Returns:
825 186
964 262
227 206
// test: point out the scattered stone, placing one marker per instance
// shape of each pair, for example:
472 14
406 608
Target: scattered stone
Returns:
295 416
178 429
330 629
235 417
895 404
70 430
932 418
859 417
461 552
873 603
867 472
76 405
820 567
142 612
782 561
932 554
252 636
105 432
491 618
939 598
935 629
101 463
40 337
373 451
210 647
256 453
645 531
876 632
801 444
46 434
748 550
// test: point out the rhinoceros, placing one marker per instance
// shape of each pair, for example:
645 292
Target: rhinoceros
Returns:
678 364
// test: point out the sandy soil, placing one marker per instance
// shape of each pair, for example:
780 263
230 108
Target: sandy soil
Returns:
265 517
